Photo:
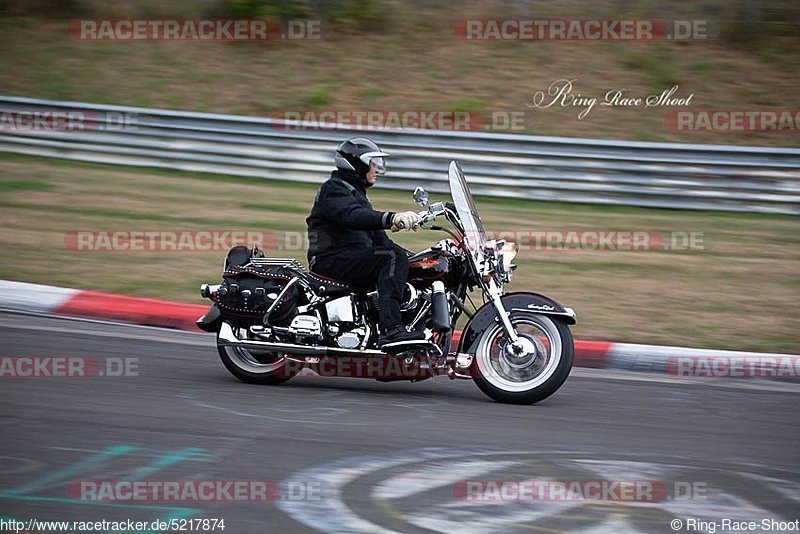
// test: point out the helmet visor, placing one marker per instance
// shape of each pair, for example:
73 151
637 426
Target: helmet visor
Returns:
379 163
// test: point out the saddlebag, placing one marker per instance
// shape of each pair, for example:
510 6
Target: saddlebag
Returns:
247 292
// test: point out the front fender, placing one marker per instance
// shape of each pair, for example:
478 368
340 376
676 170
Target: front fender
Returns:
518 301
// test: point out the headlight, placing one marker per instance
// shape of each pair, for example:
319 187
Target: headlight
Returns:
507 256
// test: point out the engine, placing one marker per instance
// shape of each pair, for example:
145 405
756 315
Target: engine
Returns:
344 323
306 326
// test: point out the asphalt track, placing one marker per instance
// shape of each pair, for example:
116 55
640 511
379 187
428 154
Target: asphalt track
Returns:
378 457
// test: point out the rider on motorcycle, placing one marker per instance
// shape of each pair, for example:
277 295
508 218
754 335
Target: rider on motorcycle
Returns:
347 237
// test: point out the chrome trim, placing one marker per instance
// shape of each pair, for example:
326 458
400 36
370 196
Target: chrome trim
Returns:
412 300
306 325
289 263
505 320
349 340
568 312
206 290
275 302
421 313
463 362
367 335
228 338
340 310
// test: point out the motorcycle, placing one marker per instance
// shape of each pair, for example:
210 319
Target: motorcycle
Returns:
274 319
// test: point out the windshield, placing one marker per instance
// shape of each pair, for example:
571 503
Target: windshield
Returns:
474 236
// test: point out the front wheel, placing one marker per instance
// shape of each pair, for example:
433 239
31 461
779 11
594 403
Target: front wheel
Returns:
529 371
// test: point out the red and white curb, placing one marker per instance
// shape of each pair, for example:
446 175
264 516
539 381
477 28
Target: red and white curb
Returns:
22 296
678 361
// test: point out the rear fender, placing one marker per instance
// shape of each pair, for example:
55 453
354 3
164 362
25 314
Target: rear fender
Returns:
211 321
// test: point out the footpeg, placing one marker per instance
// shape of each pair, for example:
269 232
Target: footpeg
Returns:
464 360
414 346
407 343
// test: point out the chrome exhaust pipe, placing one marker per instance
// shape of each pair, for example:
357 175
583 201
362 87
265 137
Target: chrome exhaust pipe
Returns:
228 338
460 368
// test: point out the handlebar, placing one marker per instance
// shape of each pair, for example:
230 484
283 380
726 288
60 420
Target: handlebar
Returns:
433 211
424 216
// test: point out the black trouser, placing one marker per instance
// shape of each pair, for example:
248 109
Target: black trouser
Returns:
362 268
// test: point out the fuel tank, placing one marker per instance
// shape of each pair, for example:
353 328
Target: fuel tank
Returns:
428 265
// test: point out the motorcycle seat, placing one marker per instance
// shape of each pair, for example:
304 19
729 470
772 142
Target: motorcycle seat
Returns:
325 286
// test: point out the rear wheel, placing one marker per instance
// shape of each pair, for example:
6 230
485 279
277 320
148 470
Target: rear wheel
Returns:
529 371
256 367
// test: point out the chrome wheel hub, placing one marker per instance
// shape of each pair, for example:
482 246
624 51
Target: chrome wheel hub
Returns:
520 354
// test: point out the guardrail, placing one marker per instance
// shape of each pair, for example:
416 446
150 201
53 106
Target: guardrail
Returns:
668 175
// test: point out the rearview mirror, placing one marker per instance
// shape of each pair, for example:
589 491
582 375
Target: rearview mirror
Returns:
420 197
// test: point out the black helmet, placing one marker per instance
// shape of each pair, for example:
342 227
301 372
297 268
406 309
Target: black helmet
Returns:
355 155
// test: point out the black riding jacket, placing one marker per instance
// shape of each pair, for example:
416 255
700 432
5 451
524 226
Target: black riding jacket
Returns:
343 218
